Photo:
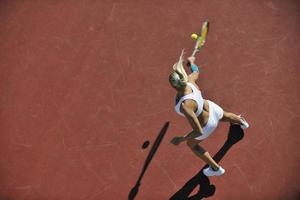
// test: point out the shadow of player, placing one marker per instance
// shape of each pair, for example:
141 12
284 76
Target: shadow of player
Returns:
206 189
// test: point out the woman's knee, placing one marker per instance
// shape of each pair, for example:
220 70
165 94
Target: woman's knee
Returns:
192 142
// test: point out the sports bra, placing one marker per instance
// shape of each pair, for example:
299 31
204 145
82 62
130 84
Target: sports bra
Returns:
196 96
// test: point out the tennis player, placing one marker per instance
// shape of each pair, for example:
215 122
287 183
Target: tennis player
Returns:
203 115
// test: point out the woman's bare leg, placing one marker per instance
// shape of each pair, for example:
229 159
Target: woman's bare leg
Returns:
201 153
232 118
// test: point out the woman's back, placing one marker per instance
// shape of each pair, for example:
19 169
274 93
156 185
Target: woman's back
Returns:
193 96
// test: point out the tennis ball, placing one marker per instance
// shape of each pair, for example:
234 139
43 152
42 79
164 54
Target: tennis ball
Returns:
194 36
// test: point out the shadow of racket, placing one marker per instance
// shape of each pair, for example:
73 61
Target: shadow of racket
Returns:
133 192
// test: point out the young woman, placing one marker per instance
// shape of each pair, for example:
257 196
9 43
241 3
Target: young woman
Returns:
203 115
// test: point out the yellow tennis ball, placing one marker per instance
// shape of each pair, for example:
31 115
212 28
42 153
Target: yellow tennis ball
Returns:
194 36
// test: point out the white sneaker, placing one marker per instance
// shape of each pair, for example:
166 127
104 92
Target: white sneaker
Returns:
210 172
245 124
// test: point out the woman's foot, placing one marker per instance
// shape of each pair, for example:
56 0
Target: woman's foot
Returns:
244 125
209 171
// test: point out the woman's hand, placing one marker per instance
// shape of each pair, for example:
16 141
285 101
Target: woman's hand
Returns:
191 59
177 140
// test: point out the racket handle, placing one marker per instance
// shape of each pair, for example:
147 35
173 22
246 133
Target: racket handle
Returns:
196 47
194 52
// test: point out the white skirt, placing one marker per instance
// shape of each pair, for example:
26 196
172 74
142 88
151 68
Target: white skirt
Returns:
215 114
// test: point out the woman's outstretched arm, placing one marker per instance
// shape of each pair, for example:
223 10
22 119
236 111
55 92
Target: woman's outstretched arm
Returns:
194 69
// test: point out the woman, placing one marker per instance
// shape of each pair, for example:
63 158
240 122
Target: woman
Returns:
203 115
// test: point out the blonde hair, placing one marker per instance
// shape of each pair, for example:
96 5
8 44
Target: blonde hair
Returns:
179 78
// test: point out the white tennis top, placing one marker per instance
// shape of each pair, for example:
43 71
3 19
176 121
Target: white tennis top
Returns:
196 96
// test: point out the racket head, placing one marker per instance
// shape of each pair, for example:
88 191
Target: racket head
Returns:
204 31
205 28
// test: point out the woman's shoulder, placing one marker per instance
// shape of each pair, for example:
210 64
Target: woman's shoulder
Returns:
192 83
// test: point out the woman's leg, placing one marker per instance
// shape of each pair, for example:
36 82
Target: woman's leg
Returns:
235 119
201 153
232 118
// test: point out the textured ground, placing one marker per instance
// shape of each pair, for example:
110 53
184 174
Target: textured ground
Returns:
84 83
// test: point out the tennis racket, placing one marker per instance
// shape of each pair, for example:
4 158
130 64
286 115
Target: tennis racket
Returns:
201 38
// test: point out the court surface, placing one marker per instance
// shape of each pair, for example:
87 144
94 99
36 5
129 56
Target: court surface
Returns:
85 83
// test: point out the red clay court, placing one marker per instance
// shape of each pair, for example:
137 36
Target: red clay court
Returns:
85 83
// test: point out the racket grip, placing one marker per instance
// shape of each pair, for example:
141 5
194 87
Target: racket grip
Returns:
194 52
